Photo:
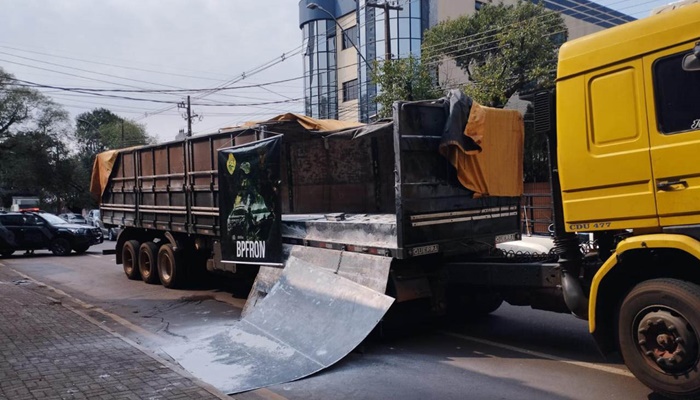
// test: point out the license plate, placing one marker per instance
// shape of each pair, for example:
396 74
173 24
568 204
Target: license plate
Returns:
506 238
419 251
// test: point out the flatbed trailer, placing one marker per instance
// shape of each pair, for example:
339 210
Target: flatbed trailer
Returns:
377 207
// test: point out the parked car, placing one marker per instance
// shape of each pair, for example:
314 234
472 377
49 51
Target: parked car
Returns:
73 218
41 230
93 218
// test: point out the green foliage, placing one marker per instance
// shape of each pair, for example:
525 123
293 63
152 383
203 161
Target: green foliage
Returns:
38 152
87 129
124 133
26 110
100 129
403 79
503 49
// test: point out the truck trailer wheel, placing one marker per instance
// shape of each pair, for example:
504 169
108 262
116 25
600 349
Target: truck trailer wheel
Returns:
466 304
658 333
130 259
170 270
148 262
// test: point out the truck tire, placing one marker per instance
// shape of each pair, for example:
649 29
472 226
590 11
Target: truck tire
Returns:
130 259
659 336
60 247
465 304
148 262
170 269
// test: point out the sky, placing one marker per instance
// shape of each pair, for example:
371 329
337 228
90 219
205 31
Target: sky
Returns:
251 47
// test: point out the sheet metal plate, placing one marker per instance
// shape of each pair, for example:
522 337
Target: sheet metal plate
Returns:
310 320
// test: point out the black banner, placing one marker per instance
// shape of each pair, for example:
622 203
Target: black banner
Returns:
249 203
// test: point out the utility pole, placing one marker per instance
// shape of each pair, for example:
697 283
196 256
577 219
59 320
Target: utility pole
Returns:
188 115
122 133
387 33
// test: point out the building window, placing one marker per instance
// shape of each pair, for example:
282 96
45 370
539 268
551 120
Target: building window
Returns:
349 37
478 5
677 97
350 90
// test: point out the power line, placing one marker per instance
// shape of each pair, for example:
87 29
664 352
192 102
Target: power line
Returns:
37 85
111 65
180 91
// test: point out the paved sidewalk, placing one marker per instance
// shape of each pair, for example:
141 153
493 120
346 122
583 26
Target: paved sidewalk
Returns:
50 351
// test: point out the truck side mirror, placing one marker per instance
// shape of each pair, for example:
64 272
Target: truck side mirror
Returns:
691 61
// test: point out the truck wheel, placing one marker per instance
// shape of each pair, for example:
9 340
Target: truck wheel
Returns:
129 259
81 249
60 247
148 264
170 271
658 333
465 304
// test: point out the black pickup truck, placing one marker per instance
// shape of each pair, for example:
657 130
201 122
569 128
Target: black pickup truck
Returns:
41 230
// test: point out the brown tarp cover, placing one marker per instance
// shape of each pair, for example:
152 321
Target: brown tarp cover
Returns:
101 169
311 124
496 169
104 162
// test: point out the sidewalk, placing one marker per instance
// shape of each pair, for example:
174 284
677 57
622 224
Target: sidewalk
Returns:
49 350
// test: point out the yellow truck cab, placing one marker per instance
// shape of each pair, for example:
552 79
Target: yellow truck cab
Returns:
628 163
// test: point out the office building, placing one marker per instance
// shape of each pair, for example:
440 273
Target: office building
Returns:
343 38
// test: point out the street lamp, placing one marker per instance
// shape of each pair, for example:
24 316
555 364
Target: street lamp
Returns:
314 6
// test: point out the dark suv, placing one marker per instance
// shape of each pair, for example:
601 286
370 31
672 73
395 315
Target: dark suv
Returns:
41 230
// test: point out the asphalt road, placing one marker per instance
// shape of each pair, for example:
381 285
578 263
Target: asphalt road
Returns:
516 353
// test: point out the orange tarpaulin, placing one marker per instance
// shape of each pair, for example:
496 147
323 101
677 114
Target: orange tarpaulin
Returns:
496 170
101 169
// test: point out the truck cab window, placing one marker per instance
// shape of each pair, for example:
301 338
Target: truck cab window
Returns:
677 95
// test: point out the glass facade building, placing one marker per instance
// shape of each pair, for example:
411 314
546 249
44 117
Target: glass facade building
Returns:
320 77
406 32
322 91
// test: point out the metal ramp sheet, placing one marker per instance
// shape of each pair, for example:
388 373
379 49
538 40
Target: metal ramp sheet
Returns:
310 319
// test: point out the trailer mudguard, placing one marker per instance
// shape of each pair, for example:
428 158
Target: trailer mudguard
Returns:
654 241
309 320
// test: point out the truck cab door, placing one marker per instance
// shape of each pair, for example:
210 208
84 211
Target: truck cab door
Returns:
603 149
673 103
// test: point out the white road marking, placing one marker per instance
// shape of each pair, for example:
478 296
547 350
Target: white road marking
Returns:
92 255
603 368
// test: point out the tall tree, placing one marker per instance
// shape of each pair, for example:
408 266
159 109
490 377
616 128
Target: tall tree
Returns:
23 109
99 130
34 139
403 79
503 49
87 129
124 133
